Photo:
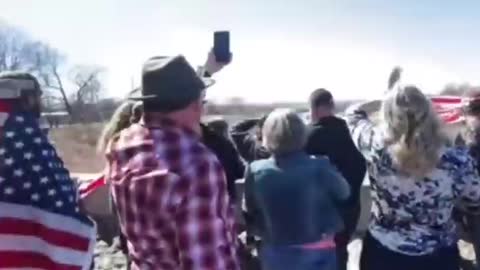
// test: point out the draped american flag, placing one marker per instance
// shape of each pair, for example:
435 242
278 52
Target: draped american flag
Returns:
41 226
449 108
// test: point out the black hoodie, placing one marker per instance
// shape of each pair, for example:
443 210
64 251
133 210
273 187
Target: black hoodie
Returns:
227 155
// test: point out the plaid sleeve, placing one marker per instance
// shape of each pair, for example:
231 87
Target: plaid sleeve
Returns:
206 236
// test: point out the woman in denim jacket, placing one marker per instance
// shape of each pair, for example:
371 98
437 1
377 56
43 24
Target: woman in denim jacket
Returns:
293 198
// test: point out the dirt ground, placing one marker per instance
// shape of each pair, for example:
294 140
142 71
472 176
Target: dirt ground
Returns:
76 145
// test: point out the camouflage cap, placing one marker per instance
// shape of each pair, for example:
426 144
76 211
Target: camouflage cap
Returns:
13 83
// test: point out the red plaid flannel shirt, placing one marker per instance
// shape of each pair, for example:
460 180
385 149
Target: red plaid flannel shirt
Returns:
171 196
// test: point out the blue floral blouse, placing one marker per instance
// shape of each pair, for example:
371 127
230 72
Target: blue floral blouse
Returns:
410 215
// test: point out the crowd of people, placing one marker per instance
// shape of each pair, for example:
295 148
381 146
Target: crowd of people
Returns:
173 178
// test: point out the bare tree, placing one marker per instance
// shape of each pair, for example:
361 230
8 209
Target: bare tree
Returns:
87 81
15 49
18 51
455 89
49 63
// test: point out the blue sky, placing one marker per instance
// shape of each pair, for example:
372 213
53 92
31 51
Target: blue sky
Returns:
282 49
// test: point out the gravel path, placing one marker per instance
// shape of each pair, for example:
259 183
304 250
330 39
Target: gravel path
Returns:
111 258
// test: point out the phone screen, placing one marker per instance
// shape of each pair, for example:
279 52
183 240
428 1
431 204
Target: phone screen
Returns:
221 46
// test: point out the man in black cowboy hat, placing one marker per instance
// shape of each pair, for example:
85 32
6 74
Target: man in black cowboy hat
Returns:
169 188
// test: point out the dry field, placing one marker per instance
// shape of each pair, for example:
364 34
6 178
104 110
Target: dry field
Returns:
76 145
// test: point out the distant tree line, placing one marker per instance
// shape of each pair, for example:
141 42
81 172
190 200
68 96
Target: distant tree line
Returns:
453 89
67 87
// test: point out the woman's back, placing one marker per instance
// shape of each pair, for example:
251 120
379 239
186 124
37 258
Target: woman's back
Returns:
295 198
412 215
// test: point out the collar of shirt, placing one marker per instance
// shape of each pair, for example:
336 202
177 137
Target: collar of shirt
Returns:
154 122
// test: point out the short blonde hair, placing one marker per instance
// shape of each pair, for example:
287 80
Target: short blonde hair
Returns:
284 132
413 131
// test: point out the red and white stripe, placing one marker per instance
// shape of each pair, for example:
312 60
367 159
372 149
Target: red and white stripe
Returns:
31 238
87 187
449 108
5 109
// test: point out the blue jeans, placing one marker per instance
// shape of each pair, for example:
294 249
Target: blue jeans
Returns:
288 258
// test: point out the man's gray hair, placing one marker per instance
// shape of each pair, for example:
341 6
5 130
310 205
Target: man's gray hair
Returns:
284 132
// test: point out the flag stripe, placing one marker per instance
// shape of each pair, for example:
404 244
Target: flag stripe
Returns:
41 226
3 118
53 236
31 260
30 244
85 189
22 268
448 108
47 219
446 100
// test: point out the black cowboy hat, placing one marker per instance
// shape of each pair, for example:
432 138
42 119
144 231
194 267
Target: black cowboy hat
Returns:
170 81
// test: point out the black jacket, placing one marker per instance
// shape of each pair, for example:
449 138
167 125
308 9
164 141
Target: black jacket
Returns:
330 137
228 156
249 147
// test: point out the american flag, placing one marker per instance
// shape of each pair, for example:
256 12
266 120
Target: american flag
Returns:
449 108
41 226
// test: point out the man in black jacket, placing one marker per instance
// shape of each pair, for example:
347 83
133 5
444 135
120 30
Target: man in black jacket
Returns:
228 156
330 137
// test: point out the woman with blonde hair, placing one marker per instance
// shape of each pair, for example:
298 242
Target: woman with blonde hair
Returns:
293 199
127 113
416 180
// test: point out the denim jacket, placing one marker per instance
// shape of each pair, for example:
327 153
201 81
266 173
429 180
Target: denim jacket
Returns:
293 198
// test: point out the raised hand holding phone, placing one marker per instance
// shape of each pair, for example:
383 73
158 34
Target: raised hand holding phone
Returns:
220 55
211 65
221 46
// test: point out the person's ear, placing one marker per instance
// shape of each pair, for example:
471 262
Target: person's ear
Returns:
197 106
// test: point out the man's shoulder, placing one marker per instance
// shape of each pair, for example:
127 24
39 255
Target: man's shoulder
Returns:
199 152
128 138
210 137
135 130
262 164
333 126
330 122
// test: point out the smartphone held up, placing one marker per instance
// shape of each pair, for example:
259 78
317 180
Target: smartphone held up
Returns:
221 46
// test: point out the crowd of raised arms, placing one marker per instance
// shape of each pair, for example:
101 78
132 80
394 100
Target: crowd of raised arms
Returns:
172 180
